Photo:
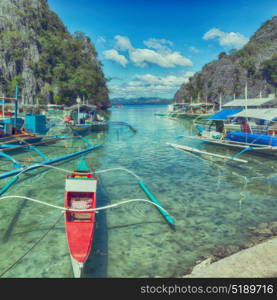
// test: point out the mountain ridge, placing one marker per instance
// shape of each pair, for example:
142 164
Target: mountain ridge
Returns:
140 100
229 73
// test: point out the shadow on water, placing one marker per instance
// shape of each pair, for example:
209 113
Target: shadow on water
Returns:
13 221
96 265
134 225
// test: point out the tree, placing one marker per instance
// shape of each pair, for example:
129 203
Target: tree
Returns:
269 71
222 55
232 51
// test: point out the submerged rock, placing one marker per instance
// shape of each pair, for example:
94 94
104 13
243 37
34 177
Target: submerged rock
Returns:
264 232
221 252
273 228
203 264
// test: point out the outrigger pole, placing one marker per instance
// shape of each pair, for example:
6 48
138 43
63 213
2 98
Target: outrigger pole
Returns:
21 169
122 123
49 162
194 150
167 217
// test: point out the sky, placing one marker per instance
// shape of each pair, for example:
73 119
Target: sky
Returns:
148 48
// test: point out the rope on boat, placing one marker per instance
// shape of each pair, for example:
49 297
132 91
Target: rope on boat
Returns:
152 199
83 210
30 249
71 171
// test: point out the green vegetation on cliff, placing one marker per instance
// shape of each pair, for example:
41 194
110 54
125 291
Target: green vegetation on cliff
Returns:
254 64
50 64
269 71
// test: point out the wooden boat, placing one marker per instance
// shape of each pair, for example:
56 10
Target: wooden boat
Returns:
80 193
84 118
11 134
79 129
99 125
198 110
257 138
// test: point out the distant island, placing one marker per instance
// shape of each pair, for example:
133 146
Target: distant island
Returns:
140 100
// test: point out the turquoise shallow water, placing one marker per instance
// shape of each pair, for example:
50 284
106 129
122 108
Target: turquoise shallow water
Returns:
213 203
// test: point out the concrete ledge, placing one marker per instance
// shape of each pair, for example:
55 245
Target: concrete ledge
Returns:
259 261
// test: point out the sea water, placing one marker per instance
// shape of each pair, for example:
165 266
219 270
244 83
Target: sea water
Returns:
214 203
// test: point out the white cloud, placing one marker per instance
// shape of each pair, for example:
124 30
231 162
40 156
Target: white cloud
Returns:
143 57
170 80
115 56
123 43
162 55
158 44
231 39
101 40
213 33
194 49
149 85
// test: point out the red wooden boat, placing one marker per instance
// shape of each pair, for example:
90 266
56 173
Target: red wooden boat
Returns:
80 193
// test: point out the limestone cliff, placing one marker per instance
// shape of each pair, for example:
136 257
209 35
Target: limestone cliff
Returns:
48 63
255 63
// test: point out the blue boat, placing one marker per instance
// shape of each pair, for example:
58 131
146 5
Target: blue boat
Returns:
258 132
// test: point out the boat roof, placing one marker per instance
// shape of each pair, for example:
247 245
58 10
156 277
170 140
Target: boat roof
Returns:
86 106
3 99
201 104
184 103
268 114
224 114
54 105
251 102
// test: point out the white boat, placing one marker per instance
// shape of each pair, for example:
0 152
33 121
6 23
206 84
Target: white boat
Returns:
259 140
195 110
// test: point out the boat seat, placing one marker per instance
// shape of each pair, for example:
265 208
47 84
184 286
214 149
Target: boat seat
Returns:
80 203
81 216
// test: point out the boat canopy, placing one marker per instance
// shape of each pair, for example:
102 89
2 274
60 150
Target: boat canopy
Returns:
267 114
180 104
81 106
200 104
250 102
224 114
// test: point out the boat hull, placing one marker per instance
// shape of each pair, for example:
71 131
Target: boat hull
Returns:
185 115
99 126
80 129
78 268
88 127
80 196
265 150
7 142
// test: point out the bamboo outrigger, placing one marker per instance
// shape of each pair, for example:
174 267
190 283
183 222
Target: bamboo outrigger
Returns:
19 168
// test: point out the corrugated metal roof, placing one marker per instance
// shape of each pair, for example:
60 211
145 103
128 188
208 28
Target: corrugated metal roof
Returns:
251 102
262 113
75 107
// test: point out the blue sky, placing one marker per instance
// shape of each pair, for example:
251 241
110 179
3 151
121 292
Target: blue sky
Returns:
149 48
